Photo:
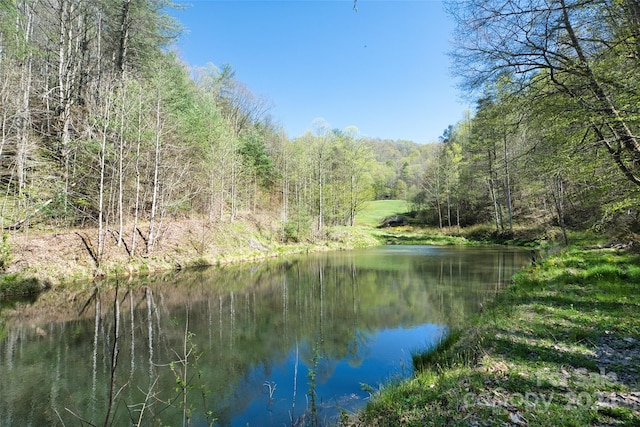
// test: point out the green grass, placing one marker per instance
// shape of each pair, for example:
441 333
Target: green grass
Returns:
410 235
15 284
375 212
560 347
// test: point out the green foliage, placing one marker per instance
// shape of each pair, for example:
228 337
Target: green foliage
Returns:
290 232
374 212
531 355
426 358
312 374
16 284
410 235
5 253
297 228
172 142
186 382
551 141
257 159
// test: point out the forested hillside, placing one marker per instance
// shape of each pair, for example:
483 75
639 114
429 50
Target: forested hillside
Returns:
104 127
554 137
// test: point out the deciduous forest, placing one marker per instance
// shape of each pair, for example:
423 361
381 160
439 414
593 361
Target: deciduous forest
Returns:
105 128
554 137
118 158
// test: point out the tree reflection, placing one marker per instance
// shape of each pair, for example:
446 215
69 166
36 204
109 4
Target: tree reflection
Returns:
275 322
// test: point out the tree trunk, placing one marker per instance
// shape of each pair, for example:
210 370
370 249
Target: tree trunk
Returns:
492 190
69 45
352 202
439 208
136 209
222 197
285 192
124 38
101 188
24 112
558 198
121 168
320 200
234 190
212 194
156 168
496 208
507 183
255 193
624 138
449 209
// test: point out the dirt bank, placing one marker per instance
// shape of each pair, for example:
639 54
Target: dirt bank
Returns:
45 259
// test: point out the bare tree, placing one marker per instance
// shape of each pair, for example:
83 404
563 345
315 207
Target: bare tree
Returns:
585 49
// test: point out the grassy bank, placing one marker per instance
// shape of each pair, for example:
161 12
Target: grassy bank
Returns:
375 212
561 346
39 258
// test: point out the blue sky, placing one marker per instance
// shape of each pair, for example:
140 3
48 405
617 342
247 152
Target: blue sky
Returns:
383 69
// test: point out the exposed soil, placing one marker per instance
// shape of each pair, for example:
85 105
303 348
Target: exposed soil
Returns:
70 255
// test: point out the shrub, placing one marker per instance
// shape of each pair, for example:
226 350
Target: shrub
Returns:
5 253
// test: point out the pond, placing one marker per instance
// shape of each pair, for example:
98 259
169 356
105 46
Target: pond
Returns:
285 342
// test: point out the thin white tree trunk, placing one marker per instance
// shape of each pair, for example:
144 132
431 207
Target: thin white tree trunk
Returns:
156 168
121 168
101 190
136 210
234 186
68 47
24 113
507 180
221 196
212 198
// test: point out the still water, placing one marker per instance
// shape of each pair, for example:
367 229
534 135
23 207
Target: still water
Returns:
279 343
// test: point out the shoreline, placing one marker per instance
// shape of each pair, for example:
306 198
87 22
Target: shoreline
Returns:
38 260
560 346
47 260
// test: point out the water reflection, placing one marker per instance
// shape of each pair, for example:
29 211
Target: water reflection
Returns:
276 343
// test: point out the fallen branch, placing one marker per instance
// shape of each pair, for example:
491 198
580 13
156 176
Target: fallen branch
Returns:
18 225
